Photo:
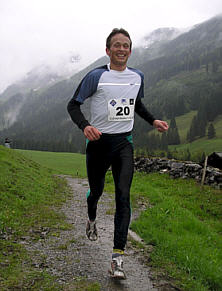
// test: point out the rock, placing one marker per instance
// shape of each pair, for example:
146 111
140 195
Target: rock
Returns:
178 169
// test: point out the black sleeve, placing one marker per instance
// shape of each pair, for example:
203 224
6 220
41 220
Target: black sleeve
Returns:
76 114
141 110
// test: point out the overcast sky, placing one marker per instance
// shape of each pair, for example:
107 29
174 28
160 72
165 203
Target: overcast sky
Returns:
41 31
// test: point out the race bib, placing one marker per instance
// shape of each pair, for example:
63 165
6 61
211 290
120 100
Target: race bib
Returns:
121 109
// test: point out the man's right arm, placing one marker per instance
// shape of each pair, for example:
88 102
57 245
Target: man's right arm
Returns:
76 114
86 89
78 118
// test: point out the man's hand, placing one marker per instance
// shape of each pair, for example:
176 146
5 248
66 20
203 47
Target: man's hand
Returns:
160 125
91 133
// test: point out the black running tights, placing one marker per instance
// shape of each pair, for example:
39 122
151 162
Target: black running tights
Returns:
115 151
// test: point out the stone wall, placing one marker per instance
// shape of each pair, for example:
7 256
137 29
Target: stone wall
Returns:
178 169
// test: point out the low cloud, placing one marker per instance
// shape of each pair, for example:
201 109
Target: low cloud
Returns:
43 31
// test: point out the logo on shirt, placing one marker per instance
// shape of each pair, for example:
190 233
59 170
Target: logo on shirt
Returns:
113 102
131 101
124 101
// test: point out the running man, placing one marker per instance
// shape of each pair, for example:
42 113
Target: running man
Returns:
115 92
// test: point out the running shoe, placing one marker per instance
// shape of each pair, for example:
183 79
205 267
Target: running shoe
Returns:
116 270
91 230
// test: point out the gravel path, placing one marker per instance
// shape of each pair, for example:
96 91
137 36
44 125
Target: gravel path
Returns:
71 255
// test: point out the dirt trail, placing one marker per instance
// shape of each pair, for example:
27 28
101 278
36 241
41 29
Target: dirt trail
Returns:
71 255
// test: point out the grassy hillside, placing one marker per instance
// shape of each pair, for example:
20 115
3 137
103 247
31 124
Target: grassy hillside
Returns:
184 121
187 91
204 144
181 225
200 145
60 163
218 126
28 202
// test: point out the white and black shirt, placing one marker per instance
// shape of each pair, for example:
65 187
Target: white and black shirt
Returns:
114 96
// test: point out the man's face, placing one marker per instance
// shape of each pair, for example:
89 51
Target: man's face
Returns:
119 51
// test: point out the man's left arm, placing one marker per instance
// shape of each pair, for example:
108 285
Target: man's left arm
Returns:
141 110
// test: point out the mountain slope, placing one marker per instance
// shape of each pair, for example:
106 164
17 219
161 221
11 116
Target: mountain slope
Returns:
181 71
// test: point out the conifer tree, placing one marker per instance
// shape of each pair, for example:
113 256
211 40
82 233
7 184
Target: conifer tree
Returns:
188 155
164 142
173 123
192 133
211 131
202 119
173 134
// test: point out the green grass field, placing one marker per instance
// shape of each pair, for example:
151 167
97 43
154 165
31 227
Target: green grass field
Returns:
183 221
201 145
205 145
218 126
60 163
30 196
183 124
184 226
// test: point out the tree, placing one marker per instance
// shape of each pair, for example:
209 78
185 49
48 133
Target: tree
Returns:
215 66
202 118
188 155
192 133
173 134
164 142
211 131
173 123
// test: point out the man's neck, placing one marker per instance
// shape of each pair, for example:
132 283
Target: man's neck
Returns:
117 68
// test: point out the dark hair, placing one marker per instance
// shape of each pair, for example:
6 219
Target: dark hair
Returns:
114 32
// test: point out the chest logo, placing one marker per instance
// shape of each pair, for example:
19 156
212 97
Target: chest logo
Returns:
124 101
113 103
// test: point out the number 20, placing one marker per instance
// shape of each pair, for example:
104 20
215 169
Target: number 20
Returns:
122 110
